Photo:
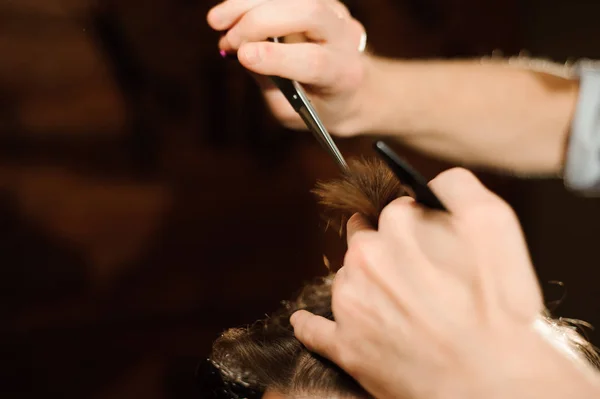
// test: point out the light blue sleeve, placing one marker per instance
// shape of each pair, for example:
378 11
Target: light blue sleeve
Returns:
582 164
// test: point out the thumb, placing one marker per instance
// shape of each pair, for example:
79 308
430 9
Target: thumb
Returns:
315 332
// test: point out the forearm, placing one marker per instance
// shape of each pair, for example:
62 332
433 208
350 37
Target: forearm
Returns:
551 376
492 115
526 368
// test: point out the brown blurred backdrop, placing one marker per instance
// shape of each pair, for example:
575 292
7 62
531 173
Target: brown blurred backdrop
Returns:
148 200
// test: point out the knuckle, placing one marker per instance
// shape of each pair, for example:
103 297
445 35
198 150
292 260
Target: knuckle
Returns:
337 284
346 358
491 213
314 8
458 175
395 212
362 257
359 250
344 300
233 38
343 8
317 64
358 26
251 19
357 29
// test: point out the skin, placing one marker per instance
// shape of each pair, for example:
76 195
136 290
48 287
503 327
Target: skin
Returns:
431 297
456 292
493 115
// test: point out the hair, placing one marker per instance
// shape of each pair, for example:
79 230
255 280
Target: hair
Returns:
267 356
365 188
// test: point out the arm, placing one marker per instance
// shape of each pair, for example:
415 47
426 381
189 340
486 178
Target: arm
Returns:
532 368
445 305
501 115
484 114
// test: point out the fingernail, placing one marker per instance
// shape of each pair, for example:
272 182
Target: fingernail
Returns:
293 318
215 17
251 54
228 56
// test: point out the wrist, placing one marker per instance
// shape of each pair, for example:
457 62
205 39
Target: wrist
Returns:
390 98
524 366
368 102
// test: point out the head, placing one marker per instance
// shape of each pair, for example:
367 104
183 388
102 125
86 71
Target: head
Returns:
266 356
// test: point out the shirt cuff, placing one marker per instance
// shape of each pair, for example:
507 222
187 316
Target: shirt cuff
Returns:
582 164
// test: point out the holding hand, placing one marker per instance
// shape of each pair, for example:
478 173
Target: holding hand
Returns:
439 305
325 54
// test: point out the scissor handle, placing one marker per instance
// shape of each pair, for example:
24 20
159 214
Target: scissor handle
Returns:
409 177
287 87
290 92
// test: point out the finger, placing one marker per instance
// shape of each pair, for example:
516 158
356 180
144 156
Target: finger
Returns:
373 268
397 217
339 8
459 188
356 35
307 63
315 332
355 224
224 15
278 18
278 104
355 39
399 224
338 278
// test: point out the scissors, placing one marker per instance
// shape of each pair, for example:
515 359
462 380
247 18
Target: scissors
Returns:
298 99
209 380
409 177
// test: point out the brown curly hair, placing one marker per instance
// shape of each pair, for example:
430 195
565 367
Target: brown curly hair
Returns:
267 356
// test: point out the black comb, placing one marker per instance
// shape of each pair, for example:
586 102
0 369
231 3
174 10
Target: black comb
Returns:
409 177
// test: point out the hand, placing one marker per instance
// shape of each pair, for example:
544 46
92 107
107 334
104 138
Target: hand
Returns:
327 61
434 304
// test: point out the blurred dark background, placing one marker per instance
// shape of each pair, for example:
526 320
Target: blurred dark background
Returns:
148 200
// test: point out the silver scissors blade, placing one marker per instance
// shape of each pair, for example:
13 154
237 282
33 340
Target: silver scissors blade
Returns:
312 120
297 97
